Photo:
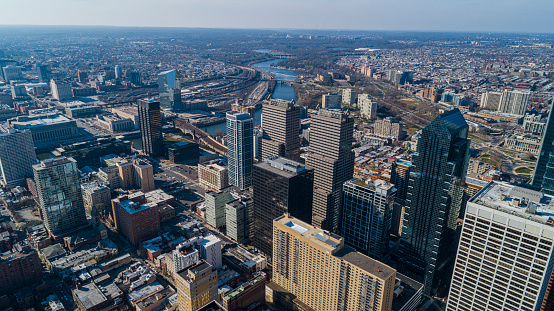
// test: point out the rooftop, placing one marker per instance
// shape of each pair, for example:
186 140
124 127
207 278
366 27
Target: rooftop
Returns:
523 202
405 290
194 270
282 166
335 245
212 306
145 291
90 296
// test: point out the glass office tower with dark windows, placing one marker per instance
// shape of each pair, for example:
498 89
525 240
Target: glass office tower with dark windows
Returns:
59 193
366 216
280 186
150 119
169 89
240 148
543 177
434 199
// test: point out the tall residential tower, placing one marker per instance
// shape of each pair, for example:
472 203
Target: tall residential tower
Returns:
240 148
59 193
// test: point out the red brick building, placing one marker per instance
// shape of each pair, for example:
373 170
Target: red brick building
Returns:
18 269
134 218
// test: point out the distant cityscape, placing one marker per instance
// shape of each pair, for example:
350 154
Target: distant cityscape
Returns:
155 169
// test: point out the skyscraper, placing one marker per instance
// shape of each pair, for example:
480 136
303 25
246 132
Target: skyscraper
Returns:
43 73
169 88
544 155
17 156
240 148
323 273
281 125
366 216
400 176
151 127
118 72
504 259
332 158
434 198
280 186
59 193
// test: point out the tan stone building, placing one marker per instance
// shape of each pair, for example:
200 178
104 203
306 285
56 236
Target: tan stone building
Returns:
323 274
196 286
281 125
213 176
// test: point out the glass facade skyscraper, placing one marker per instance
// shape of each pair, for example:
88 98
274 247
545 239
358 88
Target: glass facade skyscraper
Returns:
169 89
59 193
150 119
240 148
543 177
366 216
434 199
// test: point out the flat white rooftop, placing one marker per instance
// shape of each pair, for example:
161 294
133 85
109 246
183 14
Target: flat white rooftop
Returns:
523 202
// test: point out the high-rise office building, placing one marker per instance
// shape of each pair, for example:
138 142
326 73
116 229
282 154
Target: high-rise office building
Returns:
135 78
196 286
240 148
238 218
43 73
368 108
59 193
546 149
17 156
400 175
323 273
332 158
215 206
280 186
434 199
82 76
169 88
61 91
349 97
150 119
504 258
281 125
366 216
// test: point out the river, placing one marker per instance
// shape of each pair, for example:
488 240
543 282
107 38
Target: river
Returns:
282 91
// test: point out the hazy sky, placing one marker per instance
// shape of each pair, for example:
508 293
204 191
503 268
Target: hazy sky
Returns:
458 15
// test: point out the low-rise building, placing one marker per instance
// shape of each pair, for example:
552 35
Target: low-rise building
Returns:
18 269
183 152
523 143
250 292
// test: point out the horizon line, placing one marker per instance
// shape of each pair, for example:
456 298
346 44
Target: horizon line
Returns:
291 29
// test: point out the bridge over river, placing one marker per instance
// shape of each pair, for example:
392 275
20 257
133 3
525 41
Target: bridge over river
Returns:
199 136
